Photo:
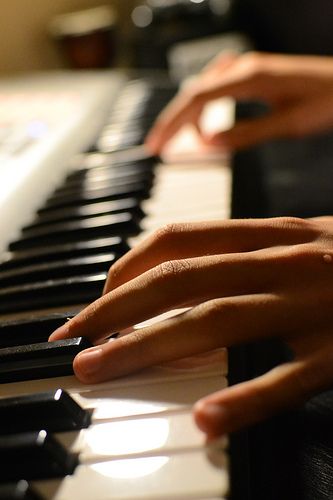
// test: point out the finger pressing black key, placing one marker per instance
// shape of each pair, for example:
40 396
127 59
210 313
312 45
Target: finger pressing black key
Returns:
43 360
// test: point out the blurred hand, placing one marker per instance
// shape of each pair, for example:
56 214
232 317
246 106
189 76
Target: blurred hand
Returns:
245 280
298 90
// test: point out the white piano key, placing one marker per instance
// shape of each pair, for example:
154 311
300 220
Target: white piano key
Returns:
179 196
115 400
144 437
162 477
153 375
170 396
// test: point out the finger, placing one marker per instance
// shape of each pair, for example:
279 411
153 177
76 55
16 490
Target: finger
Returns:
241 82
214 324
213 69
247 133
250 402
180 283
249 77
188 240
221 62
183 283
298 120
181 110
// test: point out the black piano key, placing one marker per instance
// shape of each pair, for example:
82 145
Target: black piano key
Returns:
31 329
42 360
91 186
35 455
54 411
91 264
109 139
135 190
20 490
130 205
123 224
94 180
111 172
95 161
51 293
114 244
100 163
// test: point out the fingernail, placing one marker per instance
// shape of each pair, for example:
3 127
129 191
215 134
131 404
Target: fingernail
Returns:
59 333
214 412
89 361
211 417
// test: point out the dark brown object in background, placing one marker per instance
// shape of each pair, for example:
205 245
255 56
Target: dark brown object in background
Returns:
87 37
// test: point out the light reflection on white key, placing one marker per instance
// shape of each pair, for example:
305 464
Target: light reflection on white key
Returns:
140 436
184 476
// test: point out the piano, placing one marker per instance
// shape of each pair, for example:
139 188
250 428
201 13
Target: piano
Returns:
77 192
133 438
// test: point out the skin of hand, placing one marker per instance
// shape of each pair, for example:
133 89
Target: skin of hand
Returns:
244 280
297 89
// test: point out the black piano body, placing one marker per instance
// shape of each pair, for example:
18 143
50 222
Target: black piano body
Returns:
291 455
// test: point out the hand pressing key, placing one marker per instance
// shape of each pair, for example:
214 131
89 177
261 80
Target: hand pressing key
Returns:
244 280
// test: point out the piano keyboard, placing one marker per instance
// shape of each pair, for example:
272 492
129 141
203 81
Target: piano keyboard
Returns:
139 440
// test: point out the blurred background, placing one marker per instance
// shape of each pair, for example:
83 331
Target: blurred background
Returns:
50 34
26 38
178 34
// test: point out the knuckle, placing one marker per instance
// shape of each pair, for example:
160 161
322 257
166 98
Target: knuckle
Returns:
308 253
254 63
170 269
165 232
136 342
302 254
217 313
168 236
213 310
135 339
89 316
91 313
292 223
302 227
114 273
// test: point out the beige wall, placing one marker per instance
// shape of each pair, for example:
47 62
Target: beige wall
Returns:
24 41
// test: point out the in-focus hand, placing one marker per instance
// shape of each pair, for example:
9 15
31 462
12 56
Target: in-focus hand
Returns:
244 280
297 89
